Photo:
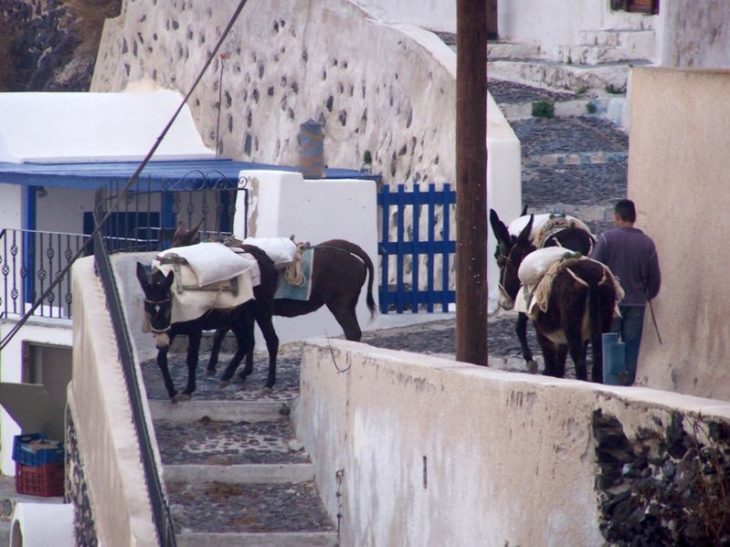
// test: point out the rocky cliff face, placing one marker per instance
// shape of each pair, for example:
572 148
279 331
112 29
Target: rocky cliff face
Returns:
50 45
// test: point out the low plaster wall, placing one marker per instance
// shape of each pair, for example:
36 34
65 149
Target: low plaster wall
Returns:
105 437
437 452
678 170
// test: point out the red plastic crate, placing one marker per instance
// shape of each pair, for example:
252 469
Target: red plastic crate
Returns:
40 480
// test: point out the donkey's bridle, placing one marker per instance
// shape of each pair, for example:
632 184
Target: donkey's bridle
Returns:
502 262
156 303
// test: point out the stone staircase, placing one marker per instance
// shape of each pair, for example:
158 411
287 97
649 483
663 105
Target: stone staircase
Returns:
599 64
234 472
574 161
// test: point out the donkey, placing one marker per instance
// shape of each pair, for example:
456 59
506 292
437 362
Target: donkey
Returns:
573 237
158 304
579 306
340 269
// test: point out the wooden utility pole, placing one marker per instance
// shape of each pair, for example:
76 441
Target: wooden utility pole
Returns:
471 181
492 20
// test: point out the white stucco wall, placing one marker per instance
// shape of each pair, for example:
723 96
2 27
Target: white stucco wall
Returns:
11 206
437 452
504 185
678 165
62 209
697 34
37 331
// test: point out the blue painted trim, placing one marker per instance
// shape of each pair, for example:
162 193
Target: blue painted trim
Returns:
29 222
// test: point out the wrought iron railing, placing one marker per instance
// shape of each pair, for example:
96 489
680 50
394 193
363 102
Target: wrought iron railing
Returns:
29 261
158 500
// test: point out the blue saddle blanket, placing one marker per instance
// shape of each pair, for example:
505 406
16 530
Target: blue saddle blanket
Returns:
303 291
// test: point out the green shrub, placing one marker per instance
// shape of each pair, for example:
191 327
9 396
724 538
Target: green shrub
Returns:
543 109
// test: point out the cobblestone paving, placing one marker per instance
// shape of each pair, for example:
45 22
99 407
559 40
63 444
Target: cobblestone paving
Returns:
511 92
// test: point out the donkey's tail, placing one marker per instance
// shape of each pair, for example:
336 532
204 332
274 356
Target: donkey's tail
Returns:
371 274
596 331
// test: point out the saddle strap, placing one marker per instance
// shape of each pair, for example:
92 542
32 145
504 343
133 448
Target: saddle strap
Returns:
294 273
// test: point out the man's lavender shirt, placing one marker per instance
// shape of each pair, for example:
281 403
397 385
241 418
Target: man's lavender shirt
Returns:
630 254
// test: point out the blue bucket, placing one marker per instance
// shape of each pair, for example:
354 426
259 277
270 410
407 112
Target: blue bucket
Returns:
614 359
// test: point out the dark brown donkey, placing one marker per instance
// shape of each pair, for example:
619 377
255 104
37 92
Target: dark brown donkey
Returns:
573 238
340 269
580 307
158 304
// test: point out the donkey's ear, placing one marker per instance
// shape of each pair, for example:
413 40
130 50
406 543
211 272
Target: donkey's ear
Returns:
183 237
169 278
142 276
527 230
498 227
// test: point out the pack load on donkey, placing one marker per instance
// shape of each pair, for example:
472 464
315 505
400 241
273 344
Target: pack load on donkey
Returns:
208 286
547 230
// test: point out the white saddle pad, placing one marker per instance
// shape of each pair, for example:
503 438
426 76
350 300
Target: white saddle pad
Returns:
518 224
220 279
281 250
213 262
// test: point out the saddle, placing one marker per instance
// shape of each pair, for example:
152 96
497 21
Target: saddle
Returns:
554 225
540 269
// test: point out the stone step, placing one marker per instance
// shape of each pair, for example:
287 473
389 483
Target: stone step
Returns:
244 511
575 158
609 77
512 50
285 539
637 43
251 473
593 55
189 411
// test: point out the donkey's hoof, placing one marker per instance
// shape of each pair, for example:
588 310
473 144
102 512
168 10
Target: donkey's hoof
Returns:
184 397
210 372
223 384
268 390
174 399
532 366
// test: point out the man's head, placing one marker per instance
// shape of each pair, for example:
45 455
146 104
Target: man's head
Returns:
624 212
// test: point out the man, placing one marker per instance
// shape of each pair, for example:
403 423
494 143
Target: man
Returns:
631 256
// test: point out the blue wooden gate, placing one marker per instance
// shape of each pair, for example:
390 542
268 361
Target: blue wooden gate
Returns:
419 288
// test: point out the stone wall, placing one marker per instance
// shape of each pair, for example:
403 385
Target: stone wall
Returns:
389 89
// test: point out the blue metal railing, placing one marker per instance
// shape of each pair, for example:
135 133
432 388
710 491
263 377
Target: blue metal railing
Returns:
408 248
